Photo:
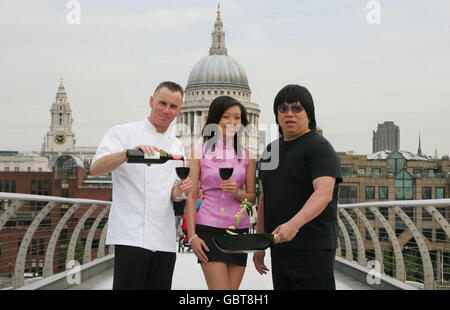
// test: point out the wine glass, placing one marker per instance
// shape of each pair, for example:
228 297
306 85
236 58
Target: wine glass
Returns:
182 173
225 172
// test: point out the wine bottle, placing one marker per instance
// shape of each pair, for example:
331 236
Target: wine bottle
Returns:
139 157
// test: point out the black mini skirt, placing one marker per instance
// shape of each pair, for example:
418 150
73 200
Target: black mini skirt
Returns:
206 233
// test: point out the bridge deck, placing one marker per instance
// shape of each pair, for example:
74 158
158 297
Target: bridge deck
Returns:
188 276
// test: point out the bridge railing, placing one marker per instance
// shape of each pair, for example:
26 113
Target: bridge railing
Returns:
44 235
406 240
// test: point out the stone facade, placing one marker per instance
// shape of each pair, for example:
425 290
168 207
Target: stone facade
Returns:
24 163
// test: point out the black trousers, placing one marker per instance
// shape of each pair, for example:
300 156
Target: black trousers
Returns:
140 269
303 269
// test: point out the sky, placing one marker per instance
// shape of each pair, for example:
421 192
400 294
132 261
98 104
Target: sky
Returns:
363 64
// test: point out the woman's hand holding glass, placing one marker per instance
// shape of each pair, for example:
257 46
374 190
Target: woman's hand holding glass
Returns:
226 171
230 186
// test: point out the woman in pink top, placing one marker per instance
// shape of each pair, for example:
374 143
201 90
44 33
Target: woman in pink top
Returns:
222 198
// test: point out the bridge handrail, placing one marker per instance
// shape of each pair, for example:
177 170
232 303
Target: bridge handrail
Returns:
397 218
43 198
399 203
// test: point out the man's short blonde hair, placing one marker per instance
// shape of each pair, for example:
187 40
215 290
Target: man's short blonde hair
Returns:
172 86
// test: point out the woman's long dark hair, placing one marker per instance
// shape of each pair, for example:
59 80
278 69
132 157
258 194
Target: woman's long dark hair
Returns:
293 93
218 106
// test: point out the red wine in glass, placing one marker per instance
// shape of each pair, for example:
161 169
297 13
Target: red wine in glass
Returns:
182 172
225 173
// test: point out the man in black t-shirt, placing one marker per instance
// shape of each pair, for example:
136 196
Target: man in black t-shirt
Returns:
299 197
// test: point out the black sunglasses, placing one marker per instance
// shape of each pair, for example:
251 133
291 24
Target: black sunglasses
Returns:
284 108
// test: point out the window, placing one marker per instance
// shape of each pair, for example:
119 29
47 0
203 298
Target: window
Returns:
13 186
39 187
348 194
427 232
440 192
89 222
1 185
16 169
430 173
370 192
46 187
6 169
369 215
396 162
440 235
426 192
384 211
383 192
41 246
102 223
34 246
417 171
65 192
33 187
6 186
346 171
441 211
376 172
361 171
41 265
403 186
426 216
382 234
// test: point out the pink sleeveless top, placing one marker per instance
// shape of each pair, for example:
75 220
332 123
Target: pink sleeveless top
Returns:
215 210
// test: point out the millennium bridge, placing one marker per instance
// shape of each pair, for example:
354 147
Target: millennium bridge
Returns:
59 243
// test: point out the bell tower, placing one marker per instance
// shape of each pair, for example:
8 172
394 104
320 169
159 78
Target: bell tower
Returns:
59 138
218 37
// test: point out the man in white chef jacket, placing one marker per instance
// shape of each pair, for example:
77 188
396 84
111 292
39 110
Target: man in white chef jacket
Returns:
141 221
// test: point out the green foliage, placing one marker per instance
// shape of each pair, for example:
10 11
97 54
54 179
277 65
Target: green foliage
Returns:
79 250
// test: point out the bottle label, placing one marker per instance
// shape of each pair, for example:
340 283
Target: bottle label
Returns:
155 156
